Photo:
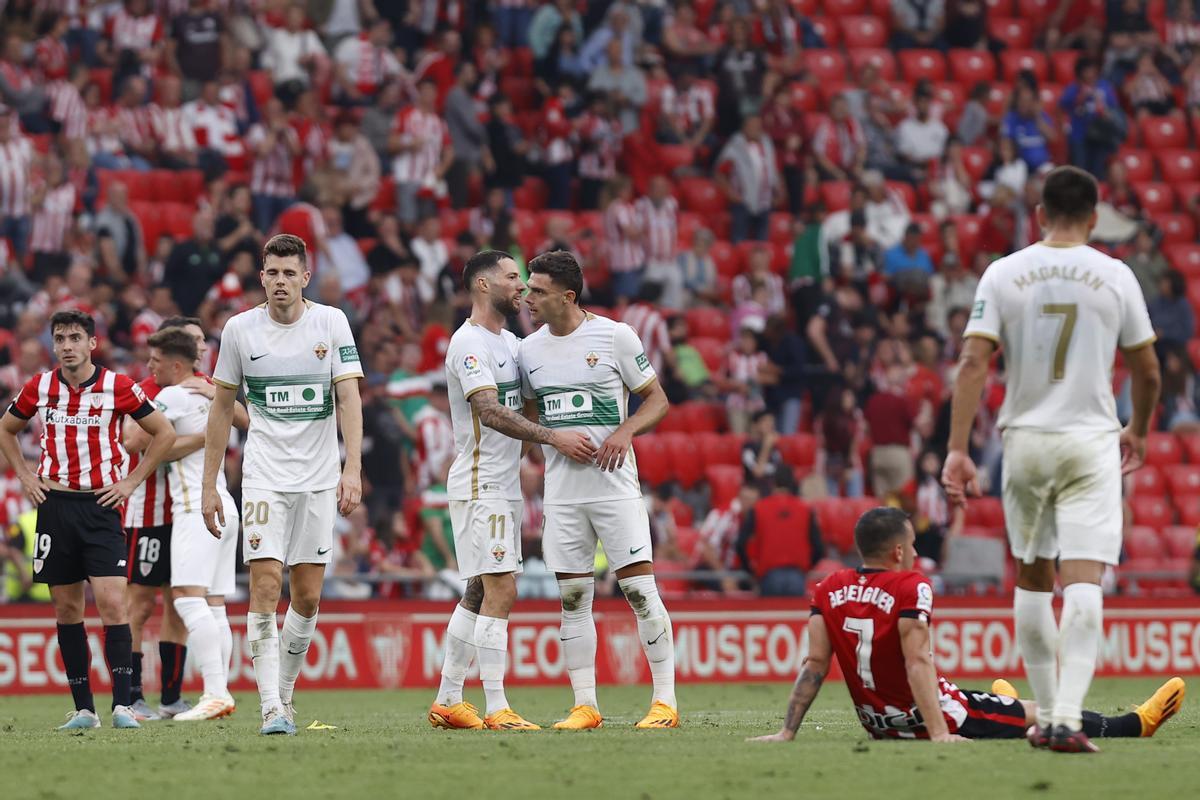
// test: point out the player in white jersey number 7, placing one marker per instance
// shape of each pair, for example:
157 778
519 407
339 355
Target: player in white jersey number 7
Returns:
577 371
292 356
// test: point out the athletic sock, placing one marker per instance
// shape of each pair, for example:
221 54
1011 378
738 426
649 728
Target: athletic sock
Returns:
1126 726
225 634
1078 647
578 635
263 634
205 640
654 630
135 684
173 656
73 644
297 633
491 644
118 652
460 652
1037 641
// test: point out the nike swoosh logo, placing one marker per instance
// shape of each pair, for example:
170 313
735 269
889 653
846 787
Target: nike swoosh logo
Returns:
569 638
656 638
323 551
501 365
256 358
634 552
535 369
301 652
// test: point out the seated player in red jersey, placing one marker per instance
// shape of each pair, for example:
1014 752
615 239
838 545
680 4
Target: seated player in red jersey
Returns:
876 621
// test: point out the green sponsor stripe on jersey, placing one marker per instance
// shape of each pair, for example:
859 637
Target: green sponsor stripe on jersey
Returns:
563 407
510 394
272 397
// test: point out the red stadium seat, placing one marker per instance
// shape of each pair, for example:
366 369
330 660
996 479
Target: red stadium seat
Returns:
1013 32
1162 133
1148 482
804 97
725 257
689 223
722 448
1180 541
1001 8
986 512
1175 227
520 91
701 195
971 66
708 322
103 78
1154 512
1155 197
1183 479
683 514
1013 62
864 31
836 517
1064 65
835 195
674 156
952 96
799 450
532 194
724 483
825 65
687 538
1184 256
1143 543
1049 95
880 57
687 460
918 64
977 160
712 351
261 87
1163 449
653 459
968 227
1036 10
1138 162
844 8
823 569
702 417
673 422
1193 348
1189 509
1178 165
780 228
1188 193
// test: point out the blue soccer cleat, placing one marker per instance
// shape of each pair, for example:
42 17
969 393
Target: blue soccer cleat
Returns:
81 720
276 722
123 717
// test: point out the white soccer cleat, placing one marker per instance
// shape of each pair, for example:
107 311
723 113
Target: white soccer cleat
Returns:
173 710
211 706
81 720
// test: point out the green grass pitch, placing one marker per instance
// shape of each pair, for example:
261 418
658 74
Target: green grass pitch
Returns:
384 748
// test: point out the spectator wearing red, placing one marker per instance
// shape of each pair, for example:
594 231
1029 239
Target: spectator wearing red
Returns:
999 231
16 163
363 63
779 541
135 124
50 51
173 128
660 220
758 274
67 112
215 127
683 41
890 418
133 41
437 65
748 173
624 238
53 201
273 144
558 150
598 132
687 111
719 533
839 146
302 218
420 144
650 326
785 125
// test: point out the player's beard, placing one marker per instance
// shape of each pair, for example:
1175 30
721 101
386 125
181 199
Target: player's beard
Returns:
509 308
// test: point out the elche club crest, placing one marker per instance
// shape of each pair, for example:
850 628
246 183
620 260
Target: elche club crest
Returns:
592 359
498 552
321 350
255 540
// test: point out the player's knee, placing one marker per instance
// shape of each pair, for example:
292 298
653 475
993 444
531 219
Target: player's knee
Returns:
472 599
111 606
500 594
576 595
642 593
68 611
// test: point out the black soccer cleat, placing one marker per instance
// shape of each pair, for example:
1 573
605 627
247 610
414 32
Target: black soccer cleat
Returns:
1065 740
1038 737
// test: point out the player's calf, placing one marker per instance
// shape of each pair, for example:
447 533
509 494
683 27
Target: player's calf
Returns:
654 631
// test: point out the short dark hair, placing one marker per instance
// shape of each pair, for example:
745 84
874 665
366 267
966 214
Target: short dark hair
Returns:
878 529
562 268
482 261
285 245
175 342
180 322
66 319
1069 195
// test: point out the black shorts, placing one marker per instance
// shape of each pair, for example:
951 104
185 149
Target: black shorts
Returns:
77 538
991 716
150 555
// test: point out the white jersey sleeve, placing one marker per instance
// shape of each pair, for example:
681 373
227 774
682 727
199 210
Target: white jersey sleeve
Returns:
229 370
985 320
346 363
630 357
469 360
1136 328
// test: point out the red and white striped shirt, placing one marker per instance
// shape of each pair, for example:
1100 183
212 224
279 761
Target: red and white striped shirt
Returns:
435 445
52 220
127 32
689 110
103 132
744 285
16 159
216 127
145 325
272 172
661 224
599 146
135 125
17 77
173 129
51 56
622 228
651 328
556 133
366 65
81 443
420 165
150 504
12 499
68 109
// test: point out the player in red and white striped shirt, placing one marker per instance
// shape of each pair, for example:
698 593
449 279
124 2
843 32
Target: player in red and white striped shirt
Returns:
16 161
623 239
659 213
420 143
78 485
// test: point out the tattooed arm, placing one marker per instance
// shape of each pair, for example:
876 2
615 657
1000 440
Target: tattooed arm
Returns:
812 675
486 405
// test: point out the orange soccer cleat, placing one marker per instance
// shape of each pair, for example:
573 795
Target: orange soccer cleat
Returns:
460 716
581 718
660 715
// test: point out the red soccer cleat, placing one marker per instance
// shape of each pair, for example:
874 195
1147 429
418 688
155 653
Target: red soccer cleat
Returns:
1065 740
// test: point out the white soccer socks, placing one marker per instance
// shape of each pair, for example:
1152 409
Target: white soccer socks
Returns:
1037 641
1078 647
204 640
491 645
297 633
654 630
263 632
226 635
460 652
578 636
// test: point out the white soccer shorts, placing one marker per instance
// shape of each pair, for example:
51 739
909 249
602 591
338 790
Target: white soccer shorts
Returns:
1062 495
292 527
571 531
487 535
200 559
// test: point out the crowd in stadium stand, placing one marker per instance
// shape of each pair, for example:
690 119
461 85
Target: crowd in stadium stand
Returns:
791 203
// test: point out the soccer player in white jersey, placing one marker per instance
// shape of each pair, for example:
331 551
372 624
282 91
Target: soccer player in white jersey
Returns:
293 356
484 489
1059 310
577 371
